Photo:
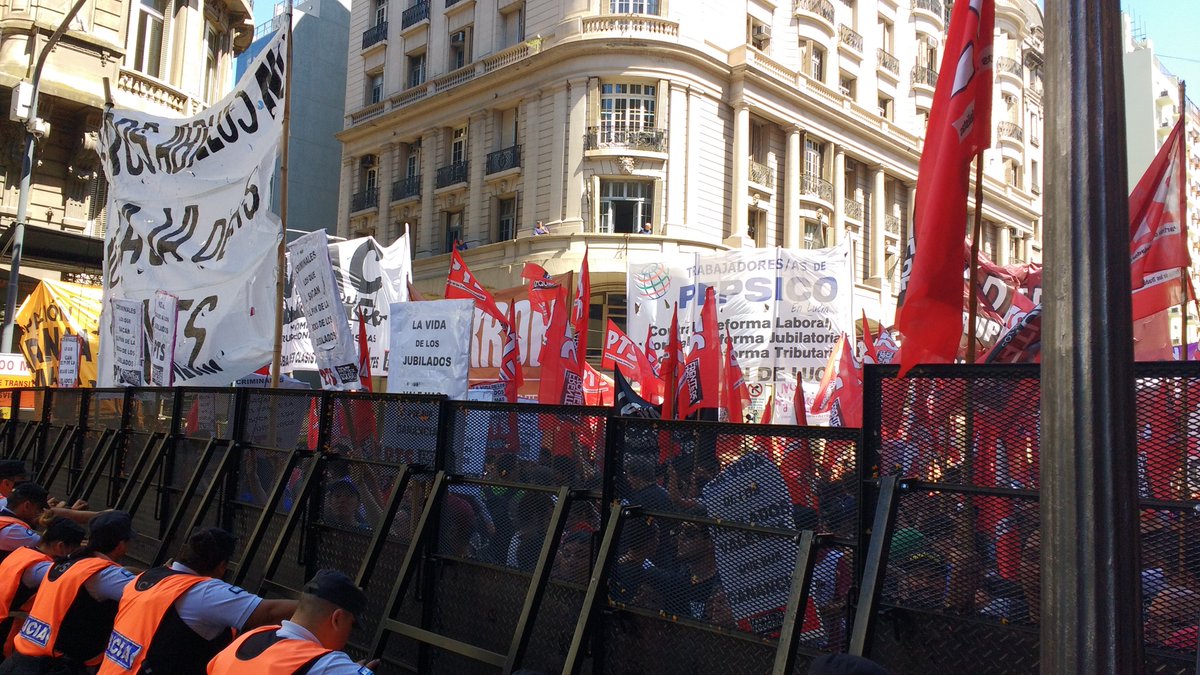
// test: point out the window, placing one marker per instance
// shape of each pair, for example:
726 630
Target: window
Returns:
147 56
886 107
412 162
1012 173
758 34
375 88
923 118
460 48
380 12
625 108
1035 177
512 23
625 205
927 53
887 35
814 60
371 178
848 85
814 234
416 69
633 6
506 218
1035 127
756 227
458 145
758 142
506 128
212 45
453 229
814 158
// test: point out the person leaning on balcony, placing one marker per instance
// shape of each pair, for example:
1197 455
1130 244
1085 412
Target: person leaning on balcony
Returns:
540 229
647 228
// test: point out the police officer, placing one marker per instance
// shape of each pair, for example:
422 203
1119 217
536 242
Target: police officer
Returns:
12 471
329 608
22 571
174 619
72 614
26 504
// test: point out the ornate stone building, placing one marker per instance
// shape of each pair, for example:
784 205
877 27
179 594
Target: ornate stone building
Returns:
796 123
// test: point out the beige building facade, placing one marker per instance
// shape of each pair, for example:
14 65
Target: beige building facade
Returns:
169 57
795 123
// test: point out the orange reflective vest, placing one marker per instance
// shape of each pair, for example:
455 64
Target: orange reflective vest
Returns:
262 652
5 521
11 571
144 603
59 590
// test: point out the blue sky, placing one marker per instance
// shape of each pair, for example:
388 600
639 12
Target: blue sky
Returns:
1173 26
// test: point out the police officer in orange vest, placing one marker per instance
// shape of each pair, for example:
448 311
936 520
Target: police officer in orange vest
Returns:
22 572
72 614
311 642
26 504
174 619
12 472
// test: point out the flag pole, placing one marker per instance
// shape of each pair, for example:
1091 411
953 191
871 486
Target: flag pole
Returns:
1183 277
976 232
281 253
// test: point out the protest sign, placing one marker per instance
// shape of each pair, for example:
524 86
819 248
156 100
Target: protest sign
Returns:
68 361
328 329
163 326
127 341
189 214
430 347
55 309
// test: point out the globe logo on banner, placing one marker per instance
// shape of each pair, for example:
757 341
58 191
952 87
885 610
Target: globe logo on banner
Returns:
652 280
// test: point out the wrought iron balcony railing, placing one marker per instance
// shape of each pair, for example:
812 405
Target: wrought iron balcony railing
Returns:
891 225
500 160
932 6
1010 130
851 38
367 199
415 14
651 140
1010 66
924 75
816 186
406 187
887 61
853 209
451 174
375 34
760 174
822 8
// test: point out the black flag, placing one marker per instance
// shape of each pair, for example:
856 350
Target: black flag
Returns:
627 401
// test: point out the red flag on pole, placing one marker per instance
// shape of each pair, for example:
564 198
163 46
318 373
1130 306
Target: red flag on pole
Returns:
364 353
735 395
848 396
620 350
823 401
798 404
462 285
671 367
596 389
650 352
579 309
700 379
533 272
1158 229
959 129
511 373
562 379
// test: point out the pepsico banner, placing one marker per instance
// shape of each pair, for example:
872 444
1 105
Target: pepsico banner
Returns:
783 309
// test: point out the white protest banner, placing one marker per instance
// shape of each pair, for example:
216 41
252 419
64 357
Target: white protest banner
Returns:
395 260
430 347
68 361
297 347
287 415
337 355
163 324
127 342
756 570
784 309
179 192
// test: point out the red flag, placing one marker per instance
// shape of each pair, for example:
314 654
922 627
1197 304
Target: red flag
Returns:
562 379
700 380
959 129
542 294
364 353
620 350
413 294
461 284
1158 229
868 343
735 395
823 401
671 367
511 373
768 410
534 271
596 389
798 404
579 309
651 352
849 393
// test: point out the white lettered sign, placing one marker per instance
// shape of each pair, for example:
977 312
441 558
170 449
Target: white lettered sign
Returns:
430 347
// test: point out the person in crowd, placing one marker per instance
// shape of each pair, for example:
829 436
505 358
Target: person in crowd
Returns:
634 566
12 471
177 618
72 614
27 503
1171 619
530 514
695 581
923 581
573 561
646 228
20 576
344 506
644 490
1001 599
311 641
458 526
540 229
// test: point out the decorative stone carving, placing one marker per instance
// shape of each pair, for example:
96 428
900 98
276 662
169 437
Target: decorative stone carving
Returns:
84 164
627 165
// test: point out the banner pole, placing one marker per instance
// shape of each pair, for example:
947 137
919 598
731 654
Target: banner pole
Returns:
1183 277
976 232
281 253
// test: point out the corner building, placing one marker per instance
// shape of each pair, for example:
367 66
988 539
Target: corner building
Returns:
794 123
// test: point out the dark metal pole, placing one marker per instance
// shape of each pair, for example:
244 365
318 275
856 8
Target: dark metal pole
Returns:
1091 599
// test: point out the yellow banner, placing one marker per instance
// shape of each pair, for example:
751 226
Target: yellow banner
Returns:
52 310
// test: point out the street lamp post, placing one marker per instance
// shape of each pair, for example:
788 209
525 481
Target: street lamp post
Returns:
32 132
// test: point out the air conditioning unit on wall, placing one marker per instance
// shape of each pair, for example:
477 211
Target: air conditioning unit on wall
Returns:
762 32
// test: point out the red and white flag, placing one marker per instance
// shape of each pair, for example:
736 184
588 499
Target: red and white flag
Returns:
462 285
959 128
798 404
671 365
1158 229
579 309
700 380
621 350
650 352
597 390
511 373
735 395
562 378
364 353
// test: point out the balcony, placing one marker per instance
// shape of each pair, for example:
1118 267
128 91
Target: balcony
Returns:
888 62
367 199
924 76
1011 132
627 25
853 210
850 39
375 34
928 16
152 94
1011 69
645 140
891 225
415 14
503 160
451 174
820 9
451 3
815 186
406 188
760 174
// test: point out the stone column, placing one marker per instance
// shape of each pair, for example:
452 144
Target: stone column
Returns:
839 194
387 171
878 225
475 226
531 148
1004 242
791 191
345 188
739 236
431 150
